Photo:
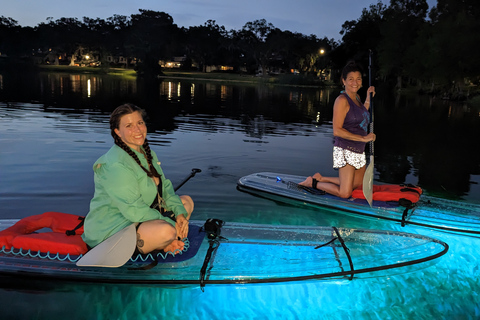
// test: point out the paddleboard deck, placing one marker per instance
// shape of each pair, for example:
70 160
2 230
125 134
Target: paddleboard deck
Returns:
429 212
244 253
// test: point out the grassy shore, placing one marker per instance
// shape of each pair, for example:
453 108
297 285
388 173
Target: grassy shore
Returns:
470 95
286 79
127 73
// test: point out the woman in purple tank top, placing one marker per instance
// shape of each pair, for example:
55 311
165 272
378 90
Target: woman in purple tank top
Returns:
350 123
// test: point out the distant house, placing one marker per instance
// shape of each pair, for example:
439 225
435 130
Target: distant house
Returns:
121 61
218 68
52 57
176 62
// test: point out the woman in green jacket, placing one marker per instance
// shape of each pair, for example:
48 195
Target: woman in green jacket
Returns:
130 187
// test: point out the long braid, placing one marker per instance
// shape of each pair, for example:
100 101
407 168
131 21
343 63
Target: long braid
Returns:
148 153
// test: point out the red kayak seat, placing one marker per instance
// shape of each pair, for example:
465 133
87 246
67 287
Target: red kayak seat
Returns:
23 235
391 192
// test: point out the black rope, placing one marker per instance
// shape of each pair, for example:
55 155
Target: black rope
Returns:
326 244
347 252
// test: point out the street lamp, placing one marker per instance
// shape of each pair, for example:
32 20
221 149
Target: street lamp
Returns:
322 64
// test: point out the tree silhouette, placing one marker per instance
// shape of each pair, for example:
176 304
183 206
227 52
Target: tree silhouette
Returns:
438 52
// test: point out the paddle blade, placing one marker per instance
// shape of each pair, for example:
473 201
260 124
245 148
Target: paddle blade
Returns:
113 252
368 182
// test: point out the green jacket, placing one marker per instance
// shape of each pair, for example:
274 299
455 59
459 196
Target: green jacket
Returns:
123 195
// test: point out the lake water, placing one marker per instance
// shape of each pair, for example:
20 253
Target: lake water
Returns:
54 127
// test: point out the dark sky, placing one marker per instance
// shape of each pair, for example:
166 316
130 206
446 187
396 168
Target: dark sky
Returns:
323 18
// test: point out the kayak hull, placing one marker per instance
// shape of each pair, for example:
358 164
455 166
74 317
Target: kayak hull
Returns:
251 253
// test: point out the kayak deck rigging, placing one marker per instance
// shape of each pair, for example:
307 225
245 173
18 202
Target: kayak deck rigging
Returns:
253 253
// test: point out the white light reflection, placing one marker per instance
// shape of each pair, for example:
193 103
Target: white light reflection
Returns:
89 88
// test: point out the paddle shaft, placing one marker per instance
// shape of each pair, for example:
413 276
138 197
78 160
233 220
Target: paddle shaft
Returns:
371 98
368 176
191 175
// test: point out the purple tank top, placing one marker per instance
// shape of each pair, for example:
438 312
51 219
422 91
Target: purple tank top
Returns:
356 121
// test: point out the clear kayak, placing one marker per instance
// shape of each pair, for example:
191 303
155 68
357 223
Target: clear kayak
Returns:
429 212
241 253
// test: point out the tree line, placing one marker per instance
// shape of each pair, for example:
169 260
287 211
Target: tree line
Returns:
412 45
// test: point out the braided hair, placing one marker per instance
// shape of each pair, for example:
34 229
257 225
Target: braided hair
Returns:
115 118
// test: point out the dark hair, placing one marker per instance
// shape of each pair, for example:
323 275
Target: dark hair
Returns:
351 66
115 118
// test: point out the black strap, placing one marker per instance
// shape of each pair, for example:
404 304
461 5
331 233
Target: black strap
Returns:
406 203
212 246
159 186
160 193
410 190
347 251
212 228
326 244
156 205
152 264
300 188
405 215
409 185
79 225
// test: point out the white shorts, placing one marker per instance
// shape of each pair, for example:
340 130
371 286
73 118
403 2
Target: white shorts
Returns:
342 157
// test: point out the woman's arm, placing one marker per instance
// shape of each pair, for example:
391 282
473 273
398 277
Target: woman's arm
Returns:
371 90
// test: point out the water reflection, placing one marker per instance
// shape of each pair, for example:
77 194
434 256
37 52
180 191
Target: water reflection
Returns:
54 127
420 139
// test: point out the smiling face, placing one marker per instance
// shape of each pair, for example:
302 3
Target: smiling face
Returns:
132 130
353 81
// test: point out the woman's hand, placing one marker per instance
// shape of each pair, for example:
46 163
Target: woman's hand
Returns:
371 90
370 137
181 226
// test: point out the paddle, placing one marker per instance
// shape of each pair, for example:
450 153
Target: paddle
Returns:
113 252
191 175
368 177
116 250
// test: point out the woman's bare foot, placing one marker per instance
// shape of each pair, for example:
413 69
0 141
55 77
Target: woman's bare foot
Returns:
318 177
175 247
307 182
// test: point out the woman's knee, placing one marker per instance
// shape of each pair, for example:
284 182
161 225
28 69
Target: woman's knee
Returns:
187 203
157 229
169 232
345 194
